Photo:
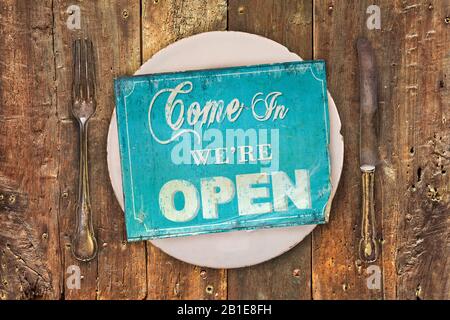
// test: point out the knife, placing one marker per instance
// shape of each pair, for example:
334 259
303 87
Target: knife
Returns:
368 247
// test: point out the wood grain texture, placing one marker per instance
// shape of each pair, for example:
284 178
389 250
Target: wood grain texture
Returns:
164 22
411 183
30 265
289 23
337 271
39 149
114 27
415 132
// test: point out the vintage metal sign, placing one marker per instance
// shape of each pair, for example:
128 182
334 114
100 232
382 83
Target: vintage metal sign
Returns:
219 150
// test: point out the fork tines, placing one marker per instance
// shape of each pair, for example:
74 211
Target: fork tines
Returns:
83 71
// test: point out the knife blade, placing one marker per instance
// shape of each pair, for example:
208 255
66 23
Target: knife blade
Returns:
368 105
368 248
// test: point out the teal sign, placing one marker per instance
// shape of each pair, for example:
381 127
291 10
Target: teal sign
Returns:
225 149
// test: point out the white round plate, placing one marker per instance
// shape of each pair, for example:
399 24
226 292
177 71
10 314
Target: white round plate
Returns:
218 50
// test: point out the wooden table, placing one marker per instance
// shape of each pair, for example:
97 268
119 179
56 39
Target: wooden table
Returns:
38 150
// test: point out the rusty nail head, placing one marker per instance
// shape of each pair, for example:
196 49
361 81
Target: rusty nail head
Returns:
209 289
12 199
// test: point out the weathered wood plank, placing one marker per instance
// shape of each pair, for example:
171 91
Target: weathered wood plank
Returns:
412 200
415 148
172 279
290 23
164 22
337 271
119 272
30 264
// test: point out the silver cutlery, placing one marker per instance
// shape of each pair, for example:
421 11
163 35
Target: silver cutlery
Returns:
368 247
84 244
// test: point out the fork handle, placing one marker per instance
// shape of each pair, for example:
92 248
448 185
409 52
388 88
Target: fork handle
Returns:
84 244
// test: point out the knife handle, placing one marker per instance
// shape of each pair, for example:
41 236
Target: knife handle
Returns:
368 248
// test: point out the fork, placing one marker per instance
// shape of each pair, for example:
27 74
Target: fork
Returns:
84 244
